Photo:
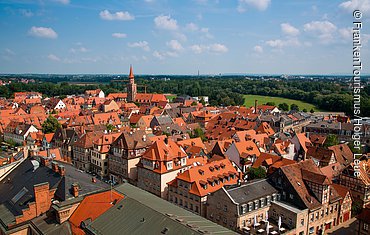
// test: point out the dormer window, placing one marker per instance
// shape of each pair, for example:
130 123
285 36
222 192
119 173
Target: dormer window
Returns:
169 166
201 172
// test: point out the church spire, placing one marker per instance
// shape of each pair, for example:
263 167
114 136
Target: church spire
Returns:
131 75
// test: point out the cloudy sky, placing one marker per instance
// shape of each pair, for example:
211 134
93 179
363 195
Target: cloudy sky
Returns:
181 37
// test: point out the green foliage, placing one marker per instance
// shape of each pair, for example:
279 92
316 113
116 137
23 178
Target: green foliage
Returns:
294 107
270 103
304 110
198 132
194 103
331 140
110 127
325 94
284 107
312 111
50 125
12 143
257 173
353 149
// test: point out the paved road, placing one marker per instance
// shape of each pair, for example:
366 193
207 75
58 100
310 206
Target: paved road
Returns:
349 227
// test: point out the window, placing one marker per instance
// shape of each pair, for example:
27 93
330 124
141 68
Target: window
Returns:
196 208
317 215
312 230
225 220
291 196
225 208
366 227
302 222
262 202
256 204
290 221
250 205
312 216
169 165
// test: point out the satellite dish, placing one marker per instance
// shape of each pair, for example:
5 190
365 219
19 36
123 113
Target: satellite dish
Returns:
35 164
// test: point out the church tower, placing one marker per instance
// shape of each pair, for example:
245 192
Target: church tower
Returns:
131 87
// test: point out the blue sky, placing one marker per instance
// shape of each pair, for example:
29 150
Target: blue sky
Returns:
181 37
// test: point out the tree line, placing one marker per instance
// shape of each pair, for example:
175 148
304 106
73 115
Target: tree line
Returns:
327 95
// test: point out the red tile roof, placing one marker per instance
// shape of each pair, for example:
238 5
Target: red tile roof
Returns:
92 207
208 174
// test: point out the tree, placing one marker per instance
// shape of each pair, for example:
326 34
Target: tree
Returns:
331 140
50 125
194 103
198 132
284 107
294 107
270 103
353 149
312 111
110 127
257 173
304 110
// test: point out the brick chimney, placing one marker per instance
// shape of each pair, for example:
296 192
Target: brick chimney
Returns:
75 189
45 161
62 170
55 167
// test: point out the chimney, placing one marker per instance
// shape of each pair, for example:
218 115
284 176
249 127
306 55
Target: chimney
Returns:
241 176
255 106
45 161
55 167
75 189
62 170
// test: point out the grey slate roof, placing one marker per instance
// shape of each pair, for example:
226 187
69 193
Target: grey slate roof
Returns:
251 191
143 213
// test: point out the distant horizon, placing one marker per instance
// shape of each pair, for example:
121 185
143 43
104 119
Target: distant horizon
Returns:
222 74
263 37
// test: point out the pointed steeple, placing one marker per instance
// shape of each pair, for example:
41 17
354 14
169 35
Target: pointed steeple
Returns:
131 75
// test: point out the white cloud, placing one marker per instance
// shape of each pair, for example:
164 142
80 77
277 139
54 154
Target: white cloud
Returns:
65 2
142 44
42 32
219 48
175 45
322 27
191 27
345 33
279 44
158 55
79 49
206 33
258 49
162 55
180 36
363 5
53 57
215 48
324 30
197 49
260 5
119 35
288 29
165 22
119 15
276 43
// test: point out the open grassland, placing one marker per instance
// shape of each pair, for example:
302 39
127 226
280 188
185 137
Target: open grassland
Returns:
249 101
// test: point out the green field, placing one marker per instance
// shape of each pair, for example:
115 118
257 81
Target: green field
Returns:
249 101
